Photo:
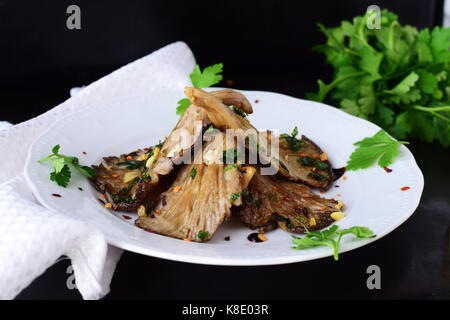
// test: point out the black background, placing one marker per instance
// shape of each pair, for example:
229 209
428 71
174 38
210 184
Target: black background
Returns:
264 45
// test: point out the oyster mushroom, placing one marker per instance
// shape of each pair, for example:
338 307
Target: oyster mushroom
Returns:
271 201
309 164
125 182
201 196
176 149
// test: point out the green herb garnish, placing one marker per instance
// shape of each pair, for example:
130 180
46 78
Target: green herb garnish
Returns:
307 161
193 173
239 111
395 76
235 196
132 164
331 237
202 235
311 162
201 79
293 143
61 172
322 165
316 176
380 147
231 166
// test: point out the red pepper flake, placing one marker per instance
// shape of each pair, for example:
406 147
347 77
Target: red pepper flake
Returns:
57 195
387 169
405 188
80 188
256 101
84 153
126 217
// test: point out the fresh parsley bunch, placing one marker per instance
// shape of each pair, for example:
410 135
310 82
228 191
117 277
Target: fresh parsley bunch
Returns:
61 172
210 76
395 76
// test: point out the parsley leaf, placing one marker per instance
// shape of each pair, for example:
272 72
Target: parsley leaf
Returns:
210 76
380 147
61 177
183 104
61 172
330 237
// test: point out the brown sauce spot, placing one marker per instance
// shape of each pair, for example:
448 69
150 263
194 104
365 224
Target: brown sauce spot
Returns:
253 237
338 172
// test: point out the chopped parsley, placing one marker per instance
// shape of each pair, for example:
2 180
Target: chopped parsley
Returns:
311 162
239 111
307 161
316 176
193 173
231 166
132 164
123 194
202 235
235 196
293 143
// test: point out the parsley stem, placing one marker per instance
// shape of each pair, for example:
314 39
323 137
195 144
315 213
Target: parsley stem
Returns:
391 35
434 110
335 82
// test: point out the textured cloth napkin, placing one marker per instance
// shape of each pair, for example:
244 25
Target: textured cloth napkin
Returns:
32 237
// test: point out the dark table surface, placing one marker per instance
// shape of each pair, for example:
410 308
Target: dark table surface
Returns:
43 60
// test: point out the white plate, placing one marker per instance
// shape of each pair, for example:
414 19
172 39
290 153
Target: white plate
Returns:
372 197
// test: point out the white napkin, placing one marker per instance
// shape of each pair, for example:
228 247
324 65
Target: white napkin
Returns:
32 237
